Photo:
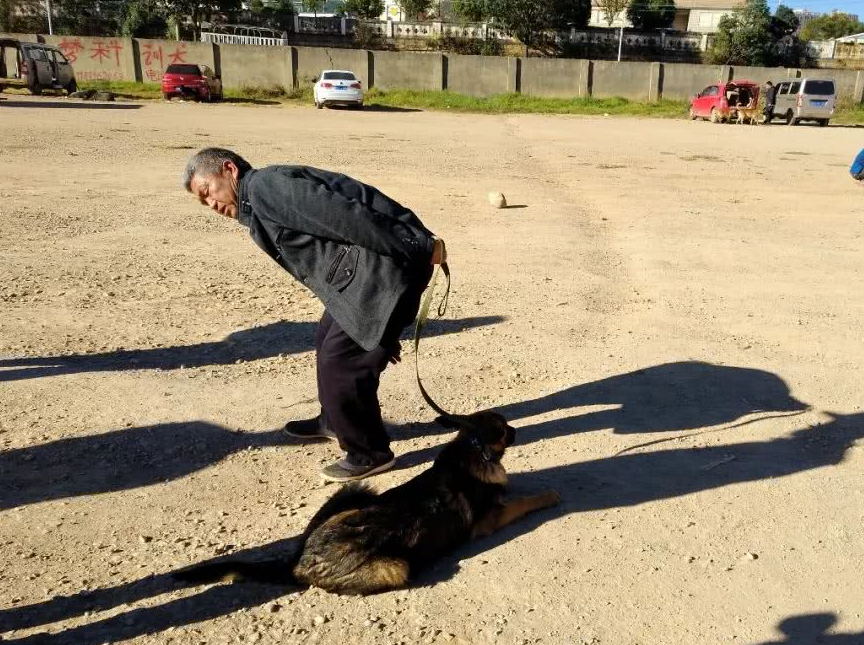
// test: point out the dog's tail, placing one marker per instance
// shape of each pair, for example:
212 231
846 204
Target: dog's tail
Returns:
276 572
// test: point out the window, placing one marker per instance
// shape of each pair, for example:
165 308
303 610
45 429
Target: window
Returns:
338 76
783 88
793 89
819 88
188 70
37 54
59 57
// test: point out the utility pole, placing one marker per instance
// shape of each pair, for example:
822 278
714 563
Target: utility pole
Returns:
620 41
48 7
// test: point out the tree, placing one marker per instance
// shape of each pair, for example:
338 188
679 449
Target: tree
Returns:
784 22
611 9
415 9
743 37
524 19
196 11
313 5
366 9
144 19
648 15
832 25
471 10
570 13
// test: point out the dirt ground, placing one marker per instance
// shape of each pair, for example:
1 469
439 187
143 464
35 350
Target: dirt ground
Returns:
670 314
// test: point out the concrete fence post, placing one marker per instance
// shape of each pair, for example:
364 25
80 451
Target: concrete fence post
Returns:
725 73
389 28
296 24
572 34
703 46
344 26
858 92
654 87
514 67
586 78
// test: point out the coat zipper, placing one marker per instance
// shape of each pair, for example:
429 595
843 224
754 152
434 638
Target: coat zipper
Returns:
335 264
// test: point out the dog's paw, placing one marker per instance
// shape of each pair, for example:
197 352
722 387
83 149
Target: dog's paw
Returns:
550 498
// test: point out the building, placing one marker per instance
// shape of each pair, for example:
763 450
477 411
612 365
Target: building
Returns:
697 16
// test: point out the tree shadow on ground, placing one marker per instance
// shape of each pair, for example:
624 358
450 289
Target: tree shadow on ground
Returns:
118 460
210 603
811 629
265 341
70 105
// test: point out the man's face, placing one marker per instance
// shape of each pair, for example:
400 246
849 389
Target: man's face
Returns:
218 191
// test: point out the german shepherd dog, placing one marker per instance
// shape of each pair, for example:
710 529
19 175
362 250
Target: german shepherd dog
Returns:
362 542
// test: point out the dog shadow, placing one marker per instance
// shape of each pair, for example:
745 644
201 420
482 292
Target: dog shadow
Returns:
636 478
256 343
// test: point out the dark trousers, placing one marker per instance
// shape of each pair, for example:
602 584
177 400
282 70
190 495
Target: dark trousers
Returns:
348 379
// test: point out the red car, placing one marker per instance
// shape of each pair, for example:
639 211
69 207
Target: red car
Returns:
718 102
197 82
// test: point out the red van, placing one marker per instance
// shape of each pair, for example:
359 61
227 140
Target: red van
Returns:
718 102
197 82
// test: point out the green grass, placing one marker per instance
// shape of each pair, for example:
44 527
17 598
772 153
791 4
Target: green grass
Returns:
125 89
523 104
847 112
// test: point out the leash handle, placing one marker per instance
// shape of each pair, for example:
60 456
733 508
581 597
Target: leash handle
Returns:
422 317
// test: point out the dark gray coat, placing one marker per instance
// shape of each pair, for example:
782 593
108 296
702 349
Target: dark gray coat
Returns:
351 245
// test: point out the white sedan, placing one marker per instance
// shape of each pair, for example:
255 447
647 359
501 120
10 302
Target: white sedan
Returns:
338 87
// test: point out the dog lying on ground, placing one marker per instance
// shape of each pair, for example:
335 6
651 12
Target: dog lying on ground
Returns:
748 114
362 542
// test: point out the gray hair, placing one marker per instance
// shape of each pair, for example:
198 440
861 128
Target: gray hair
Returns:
208 161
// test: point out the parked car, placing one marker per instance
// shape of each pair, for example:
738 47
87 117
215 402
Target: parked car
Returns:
36 66
804 99
338 87
191 81
718 102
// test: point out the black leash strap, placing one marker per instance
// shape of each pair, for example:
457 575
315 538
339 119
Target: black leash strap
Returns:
422 317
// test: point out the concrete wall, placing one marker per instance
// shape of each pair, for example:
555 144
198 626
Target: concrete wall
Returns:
761 74
481 75
406 70
107 59
683 81
311 61
555 77
628 80
154 56
251 65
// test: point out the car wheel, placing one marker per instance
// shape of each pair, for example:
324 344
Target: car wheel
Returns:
72 87
823 123
715 116
790 118
693 116
319 105
166 96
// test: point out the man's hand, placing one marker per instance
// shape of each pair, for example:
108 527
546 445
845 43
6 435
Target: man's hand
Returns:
439 252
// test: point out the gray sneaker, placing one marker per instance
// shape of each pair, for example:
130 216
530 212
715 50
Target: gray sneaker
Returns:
309 429
344 471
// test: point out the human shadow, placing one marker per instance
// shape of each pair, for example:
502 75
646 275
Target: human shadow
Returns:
265 341
811 629
118 460
636 478
71 105
210 603
662 398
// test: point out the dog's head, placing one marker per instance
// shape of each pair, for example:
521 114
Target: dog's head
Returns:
486 431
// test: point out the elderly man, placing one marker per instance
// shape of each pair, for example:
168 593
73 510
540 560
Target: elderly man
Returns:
365 256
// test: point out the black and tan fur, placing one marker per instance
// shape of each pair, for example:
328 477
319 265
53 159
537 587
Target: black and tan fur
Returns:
362 542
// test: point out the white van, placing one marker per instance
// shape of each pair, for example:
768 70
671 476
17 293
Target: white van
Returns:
805 99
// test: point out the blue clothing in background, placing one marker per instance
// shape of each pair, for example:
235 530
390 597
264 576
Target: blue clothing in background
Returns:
857 168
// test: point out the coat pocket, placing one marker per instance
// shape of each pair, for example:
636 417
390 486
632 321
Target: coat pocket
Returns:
344 268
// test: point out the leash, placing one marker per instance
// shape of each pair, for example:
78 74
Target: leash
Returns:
422 317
